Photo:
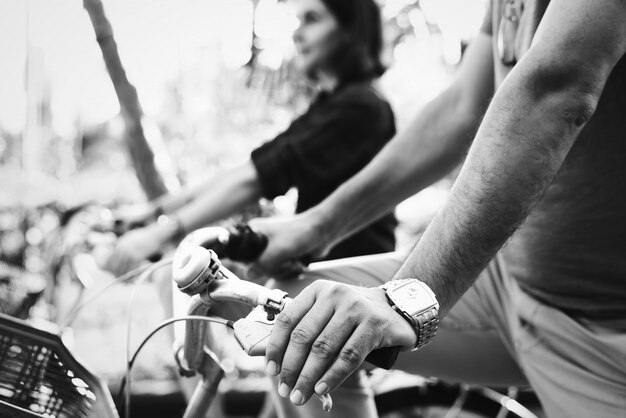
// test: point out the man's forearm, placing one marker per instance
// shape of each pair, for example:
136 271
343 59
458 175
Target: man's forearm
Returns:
428 149
517 152
434 143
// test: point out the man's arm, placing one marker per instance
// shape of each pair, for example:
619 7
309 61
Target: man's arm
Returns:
532 122
530 126
433 144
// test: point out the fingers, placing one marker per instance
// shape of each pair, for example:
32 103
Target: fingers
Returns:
303 370
273 262
126 255
326 333
290 269
359 345
304 338
316 333
285 245
120 262
137 247
285 322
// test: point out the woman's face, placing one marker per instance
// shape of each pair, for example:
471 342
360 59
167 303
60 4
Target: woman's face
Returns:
316 38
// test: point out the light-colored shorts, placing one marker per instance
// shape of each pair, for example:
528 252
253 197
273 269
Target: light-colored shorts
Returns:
495 335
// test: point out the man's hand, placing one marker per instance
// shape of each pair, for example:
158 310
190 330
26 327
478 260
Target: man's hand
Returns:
290 240
136 247
324 335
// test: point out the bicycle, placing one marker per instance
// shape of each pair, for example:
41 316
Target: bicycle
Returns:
198 272
44 375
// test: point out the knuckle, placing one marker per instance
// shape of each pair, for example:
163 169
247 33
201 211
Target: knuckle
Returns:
354 308
283 320
300 336
323 285
375 322
315 287
271 348
288 375
322 348
351 356
305 381
338 289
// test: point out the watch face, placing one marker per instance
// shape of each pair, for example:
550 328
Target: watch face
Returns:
413 298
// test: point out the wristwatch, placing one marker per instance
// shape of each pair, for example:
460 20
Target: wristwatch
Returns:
415 301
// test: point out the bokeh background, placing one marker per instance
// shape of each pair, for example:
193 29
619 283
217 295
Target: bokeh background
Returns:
213 80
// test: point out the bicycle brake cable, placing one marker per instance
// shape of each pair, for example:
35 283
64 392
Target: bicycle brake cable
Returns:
126 380
69 319
146 274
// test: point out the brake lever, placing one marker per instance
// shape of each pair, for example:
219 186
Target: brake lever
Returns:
253 331
252 334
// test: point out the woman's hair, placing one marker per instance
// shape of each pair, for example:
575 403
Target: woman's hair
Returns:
360 57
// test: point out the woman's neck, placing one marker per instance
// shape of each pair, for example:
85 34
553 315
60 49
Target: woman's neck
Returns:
327 82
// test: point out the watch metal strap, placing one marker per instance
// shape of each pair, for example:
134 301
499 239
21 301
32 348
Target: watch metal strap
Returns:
426 323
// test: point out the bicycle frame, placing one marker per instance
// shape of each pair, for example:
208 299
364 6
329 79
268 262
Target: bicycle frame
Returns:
199 273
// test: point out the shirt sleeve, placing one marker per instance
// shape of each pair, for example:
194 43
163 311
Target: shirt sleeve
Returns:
267 161
319 156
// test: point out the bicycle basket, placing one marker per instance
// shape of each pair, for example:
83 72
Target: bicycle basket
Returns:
39 377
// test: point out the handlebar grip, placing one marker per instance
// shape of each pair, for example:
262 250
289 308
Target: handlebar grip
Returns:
383 357
244 244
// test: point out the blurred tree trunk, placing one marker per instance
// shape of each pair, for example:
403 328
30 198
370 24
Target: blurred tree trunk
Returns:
130 109
254 49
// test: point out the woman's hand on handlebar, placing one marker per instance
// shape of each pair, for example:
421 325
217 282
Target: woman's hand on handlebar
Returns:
292 243
134 216
324 335
136 247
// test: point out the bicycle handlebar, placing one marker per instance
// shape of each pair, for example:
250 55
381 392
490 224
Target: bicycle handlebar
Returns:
198 271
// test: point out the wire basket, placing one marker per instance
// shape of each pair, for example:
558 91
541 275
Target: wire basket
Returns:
39 377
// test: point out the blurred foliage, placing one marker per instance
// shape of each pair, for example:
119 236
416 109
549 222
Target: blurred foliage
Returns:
209 118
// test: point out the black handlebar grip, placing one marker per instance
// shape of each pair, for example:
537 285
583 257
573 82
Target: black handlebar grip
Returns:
244 244
383 357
